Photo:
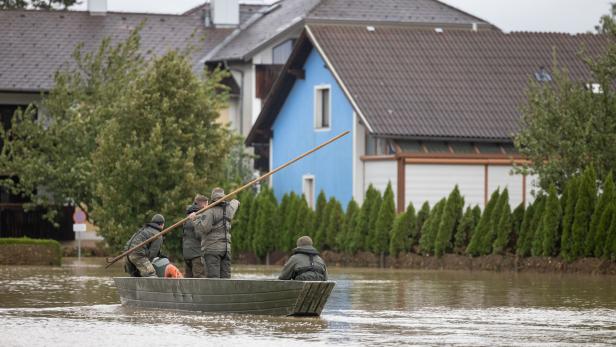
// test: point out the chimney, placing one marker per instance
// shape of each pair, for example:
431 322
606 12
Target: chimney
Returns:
225 13
474 27
97 7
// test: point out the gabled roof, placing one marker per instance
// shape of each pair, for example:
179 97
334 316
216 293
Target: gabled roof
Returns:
287 15
35 44
409 83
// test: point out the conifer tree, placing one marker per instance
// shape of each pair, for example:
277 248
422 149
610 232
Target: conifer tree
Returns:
449 221
569 201
517 217
584 208
344 239
360 237
288 219
463 232
422 216
524 243
241 233
384 223
550 224
267 225
373 217
335 225
304 221
609 223
597 236
489 236
319 210
252 220
474 246
355 239
536 248
430 228
402 232
320 239
283 208
503 226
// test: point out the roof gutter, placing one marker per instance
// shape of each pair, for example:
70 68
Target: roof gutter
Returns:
338 79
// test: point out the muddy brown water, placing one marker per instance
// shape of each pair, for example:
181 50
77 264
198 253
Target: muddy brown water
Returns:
77 304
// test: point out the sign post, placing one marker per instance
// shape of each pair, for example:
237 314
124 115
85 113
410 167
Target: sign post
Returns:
79 226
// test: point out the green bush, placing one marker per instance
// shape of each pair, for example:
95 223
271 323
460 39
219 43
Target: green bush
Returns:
584 209
489 235
464 230
52 244
403 230
535 233
568 202
344 239
597 236
422 216
503 225
335 225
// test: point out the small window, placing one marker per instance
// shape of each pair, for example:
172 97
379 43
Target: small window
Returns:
410 146
322 107
462 147
489 148
308 190
436 147
379 146
281 53
543 75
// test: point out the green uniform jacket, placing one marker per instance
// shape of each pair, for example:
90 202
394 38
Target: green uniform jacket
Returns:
215 232
191 240
151 249
298 267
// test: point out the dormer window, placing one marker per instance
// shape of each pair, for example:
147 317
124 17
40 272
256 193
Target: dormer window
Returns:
543 75
322 107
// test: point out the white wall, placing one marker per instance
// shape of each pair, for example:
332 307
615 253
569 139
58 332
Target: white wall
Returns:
379 173
501 177
432 182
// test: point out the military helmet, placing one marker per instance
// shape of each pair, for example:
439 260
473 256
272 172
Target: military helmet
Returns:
217 193
304 241
158 219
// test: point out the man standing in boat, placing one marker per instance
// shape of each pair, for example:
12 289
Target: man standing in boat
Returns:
139 262
214 225
191 242
305 264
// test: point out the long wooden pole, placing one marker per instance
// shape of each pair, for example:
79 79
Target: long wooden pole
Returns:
168 229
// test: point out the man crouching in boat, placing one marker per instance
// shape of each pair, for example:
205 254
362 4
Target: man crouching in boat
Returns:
305 263
139 263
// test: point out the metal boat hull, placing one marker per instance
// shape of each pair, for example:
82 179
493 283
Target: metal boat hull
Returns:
271 297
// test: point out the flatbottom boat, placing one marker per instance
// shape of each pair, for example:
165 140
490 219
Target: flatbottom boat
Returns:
267 297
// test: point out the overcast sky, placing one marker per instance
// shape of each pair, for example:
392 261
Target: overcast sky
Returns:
571 16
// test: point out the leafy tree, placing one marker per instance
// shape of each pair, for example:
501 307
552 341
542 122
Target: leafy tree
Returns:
584 208
596 236
335 225
464 230
384 223
430 228
483 226
565 126
422 216
568 202
525 239
402 231
551 223
37 4
452 214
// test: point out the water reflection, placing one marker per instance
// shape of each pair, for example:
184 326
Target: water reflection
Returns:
71 304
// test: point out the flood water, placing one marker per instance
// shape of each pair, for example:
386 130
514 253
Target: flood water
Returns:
78 305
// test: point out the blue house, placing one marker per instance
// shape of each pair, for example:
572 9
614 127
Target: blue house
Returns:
427 110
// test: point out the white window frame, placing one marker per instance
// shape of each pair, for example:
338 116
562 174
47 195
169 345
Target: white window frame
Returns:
316 112
306 178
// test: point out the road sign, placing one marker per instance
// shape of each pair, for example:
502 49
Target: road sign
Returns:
80 227
79 217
